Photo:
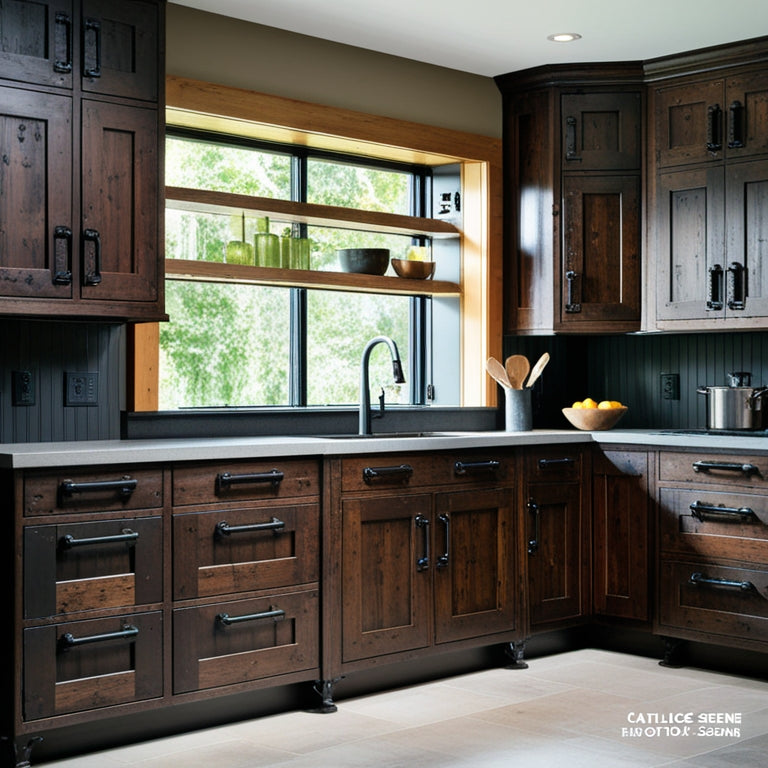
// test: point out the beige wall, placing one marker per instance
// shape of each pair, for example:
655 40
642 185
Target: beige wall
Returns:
216 49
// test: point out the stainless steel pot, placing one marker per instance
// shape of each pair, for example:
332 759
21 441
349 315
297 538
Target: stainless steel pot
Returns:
736 407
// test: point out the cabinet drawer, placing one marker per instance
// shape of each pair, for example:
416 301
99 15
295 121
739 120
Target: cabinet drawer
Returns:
417 470
75 491
92 565
550 465
718 600
723 469
245 549
714 524
244 481
236 642
84 665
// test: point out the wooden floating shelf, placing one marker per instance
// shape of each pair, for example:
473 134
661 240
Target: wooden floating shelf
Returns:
205 201
181 269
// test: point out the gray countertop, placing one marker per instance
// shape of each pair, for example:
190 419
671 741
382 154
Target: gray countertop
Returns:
102 452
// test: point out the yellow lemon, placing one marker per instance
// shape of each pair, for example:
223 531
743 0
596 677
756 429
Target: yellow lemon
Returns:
577 404
616 404
588 403
604 405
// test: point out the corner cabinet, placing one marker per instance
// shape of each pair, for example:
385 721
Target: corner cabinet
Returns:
81 133
573 158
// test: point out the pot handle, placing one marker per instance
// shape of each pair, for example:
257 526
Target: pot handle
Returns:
702 390
758 393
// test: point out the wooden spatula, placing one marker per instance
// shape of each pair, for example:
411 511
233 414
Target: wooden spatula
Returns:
517 367
537 369
497 372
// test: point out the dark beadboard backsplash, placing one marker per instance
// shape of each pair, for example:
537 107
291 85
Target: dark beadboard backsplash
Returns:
629 368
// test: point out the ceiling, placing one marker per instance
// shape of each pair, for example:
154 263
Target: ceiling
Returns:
492 37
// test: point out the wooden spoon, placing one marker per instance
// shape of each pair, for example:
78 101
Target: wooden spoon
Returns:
537 369
517 367
497 372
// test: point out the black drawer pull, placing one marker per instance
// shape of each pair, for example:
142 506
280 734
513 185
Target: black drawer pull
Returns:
699 510
92 52
68 640
62 255
124 487
422 563
573 292
533 544
570 140
69 541
92 275
735 125
223 528
715 288
700 578
465 467
442 560
276 614
714 128
403 471
64 25
708 466
225 480
547 463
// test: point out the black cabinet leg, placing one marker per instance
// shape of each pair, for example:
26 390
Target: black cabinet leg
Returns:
673 653
19 756
324 689
516 651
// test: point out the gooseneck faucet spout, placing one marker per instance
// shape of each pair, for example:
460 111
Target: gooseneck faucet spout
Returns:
365 395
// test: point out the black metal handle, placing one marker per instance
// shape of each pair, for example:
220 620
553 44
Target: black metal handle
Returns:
124 487
62 255
442 560
737 293
422 563
63 23
225 480
700 578
735 125
570 140
725 466
573 292
699 510
714 128
93 276
223 528
403 471
68 640
276 614
467 467
533 544
547 463
92 28
715 288
68 541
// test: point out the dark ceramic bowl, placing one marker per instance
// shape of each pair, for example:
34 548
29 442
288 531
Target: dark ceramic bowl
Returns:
364 261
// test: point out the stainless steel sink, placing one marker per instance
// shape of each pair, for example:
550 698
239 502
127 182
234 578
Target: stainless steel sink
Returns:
384 435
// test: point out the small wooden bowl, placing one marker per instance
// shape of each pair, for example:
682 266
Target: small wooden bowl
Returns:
416 270
594 419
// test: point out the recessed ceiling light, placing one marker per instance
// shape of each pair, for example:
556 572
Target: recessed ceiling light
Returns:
564 37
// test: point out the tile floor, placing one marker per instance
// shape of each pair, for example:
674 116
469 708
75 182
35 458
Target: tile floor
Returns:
573 709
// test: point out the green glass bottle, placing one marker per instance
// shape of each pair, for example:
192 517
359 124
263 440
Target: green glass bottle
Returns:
267 245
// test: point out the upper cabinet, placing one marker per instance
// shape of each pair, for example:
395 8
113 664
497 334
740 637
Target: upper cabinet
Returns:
81 139
573 159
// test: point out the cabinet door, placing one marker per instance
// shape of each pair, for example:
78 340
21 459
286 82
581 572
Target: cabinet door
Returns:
386 575
475 564
601 131
120 42
688 123
35 195
747 102
690 244
555 554
601 250
120 203
620 503
36 41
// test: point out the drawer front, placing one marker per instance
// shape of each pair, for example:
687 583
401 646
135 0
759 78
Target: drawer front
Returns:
67 491
237 642
241 550
553 465
92 565
419 470
244 481
719 600
722 469
85 665
714 524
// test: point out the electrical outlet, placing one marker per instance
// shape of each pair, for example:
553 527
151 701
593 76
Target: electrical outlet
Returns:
81 389
670 386
23 386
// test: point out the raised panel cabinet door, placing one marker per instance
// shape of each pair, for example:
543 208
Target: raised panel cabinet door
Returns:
689 123
601 250
601 131
36 239
386 575
36 42
120 44
690 246
747 103
119 208
475 564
